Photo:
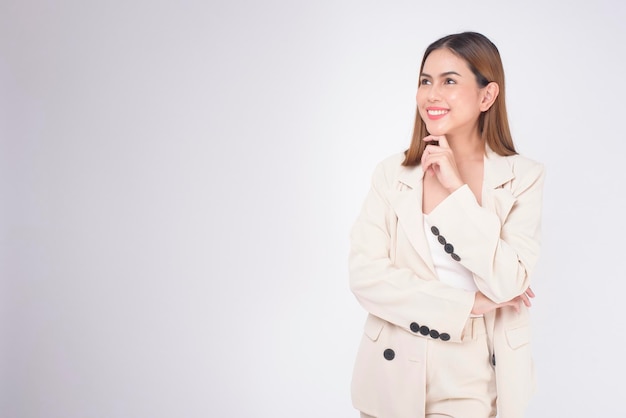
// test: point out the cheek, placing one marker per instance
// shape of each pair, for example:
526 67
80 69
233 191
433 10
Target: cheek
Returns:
421 97
454 96
464 97
421 114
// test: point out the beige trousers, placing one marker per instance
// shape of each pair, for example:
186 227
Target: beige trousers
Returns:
460 380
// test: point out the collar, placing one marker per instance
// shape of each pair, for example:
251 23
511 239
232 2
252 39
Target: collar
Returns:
497 171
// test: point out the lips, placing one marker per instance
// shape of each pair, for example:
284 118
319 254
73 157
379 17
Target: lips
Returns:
436 112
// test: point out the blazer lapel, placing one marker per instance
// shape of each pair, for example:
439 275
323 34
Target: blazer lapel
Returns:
406 201
497 172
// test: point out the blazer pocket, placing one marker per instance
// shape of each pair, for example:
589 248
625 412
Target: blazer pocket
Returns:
518 337
373 326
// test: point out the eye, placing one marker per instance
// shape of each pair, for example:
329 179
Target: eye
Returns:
424 82
450 81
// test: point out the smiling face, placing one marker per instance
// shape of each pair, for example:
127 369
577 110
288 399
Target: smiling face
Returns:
449 99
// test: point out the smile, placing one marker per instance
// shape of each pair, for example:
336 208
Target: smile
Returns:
436 113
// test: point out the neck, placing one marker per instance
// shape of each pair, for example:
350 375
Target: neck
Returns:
466 147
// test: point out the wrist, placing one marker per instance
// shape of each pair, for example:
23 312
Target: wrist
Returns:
456 186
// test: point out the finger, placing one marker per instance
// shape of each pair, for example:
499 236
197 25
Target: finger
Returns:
435 159
530 292
430 169
426 162
431 140
526 301
516 305
429 161
513 303
430 164
443 142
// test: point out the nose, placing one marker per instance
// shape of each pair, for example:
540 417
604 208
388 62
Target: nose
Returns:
433 93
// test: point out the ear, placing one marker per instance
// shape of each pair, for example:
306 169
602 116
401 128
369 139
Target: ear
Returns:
490 94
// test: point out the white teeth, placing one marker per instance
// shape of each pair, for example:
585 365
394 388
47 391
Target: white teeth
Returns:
437 112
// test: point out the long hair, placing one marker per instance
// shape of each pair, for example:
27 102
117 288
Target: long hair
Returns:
483 59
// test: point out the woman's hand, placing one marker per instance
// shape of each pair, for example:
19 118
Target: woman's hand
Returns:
438 160
482 304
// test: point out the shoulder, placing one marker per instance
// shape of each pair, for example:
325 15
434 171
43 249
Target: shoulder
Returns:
391 162
390 170
517 165
526 172
520 164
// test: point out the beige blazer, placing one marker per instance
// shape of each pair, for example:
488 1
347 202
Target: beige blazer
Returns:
393 278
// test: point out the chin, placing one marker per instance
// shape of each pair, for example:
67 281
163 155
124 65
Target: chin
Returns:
436 129
437 132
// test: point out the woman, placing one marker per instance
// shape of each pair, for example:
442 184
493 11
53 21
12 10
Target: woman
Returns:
443 252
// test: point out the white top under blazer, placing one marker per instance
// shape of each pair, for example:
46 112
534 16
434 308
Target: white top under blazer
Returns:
448 270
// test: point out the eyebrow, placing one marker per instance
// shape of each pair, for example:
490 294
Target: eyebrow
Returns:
447 73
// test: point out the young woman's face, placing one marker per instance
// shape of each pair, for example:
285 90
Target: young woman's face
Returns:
448 96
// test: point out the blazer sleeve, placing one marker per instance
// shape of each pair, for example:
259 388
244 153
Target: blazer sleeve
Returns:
500 250
402 296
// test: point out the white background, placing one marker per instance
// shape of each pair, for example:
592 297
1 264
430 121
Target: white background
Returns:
178 181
